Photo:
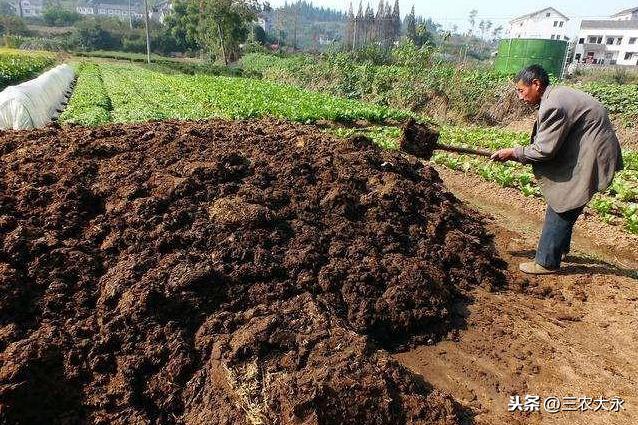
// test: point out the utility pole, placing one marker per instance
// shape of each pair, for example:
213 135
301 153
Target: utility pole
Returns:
148 35
221 42
130 17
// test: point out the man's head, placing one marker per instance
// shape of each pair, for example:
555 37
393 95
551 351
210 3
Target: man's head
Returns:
531 83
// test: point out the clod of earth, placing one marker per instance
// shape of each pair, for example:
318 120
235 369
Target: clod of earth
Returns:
224 272
418 139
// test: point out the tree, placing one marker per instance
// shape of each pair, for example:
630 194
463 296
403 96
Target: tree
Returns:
349 28
57 16
89 34
182 26
13 25
481 26
410 25
496 33
217 26
472 20
396 21
423 36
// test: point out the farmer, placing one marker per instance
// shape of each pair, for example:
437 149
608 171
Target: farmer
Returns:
574 153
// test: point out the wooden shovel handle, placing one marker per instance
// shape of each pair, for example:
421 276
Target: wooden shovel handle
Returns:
480 152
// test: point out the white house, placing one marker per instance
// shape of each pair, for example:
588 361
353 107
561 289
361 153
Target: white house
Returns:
111 10
161 10
547 23
608 42
625 15
31 7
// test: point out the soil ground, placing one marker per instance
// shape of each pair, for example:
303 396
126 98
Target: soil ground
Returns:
572 334
218 272
185 273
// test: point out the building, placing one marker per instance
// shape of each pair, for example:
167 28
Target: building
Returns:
625 15
31 8
121 11
611 41
546 23
161 10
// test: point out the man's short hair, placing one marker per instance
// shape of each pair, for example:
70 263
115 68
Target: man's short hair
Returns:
533 72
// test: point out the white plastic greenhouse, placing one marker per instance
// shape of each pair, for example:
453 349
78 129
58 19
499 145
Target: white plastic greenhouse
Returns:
34 103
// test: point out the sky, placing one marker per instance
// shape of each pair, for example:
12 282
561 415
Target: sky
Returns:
455 12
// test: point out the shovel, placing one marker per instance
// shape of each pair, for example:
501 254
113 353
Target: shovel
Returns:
421 141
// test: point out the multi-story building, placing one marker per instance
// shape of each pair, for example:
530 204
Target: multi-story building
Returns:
122 11
625 15
31 8
546 23
161 10
612 41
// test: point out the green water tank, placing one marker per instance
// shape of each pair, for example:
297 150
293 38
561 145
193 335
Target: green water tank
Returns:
517 53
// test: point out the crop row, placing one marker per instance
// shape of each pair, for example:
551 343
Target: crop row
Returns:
17 66
139 94
618 98
89 104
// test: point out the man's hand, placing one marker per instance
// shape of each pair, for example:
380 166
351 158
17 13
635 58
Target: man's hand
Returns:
503 155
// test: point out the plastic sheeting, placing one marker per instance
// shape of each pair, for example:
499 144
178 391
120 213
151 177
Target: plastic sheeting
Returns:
34 103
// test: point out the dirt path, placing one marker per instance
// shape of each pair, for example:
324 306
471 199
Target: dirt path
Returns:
574 334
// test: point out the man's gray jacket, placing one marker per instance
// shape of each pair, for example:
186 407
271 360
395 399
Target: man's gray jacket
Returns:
574 151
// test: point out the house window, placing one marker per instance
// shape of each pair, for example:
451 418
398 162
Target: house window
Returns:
561 24
555 23
619 40
610 40
578 56
581 41
628 55
609 55
632 40
547 15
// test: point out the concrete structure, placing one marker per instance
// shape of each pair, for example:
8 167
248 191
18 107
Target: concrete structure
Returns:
611 41
111 10
161 10
547 24
625 15
31 8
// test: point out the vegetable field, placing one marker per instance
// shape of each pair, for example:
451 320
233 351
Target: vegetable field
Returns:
17 66
136 94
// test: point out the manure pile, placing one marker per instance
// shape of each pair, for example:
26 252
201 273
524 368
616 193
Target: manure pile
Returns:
224 273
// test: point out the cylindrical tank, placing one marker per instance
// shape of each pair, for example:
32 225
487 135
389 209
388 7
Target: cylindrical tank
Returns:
517 53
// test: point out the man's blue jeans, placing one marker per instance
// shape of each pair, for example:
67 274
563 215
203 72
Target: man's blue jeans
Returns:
556 236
